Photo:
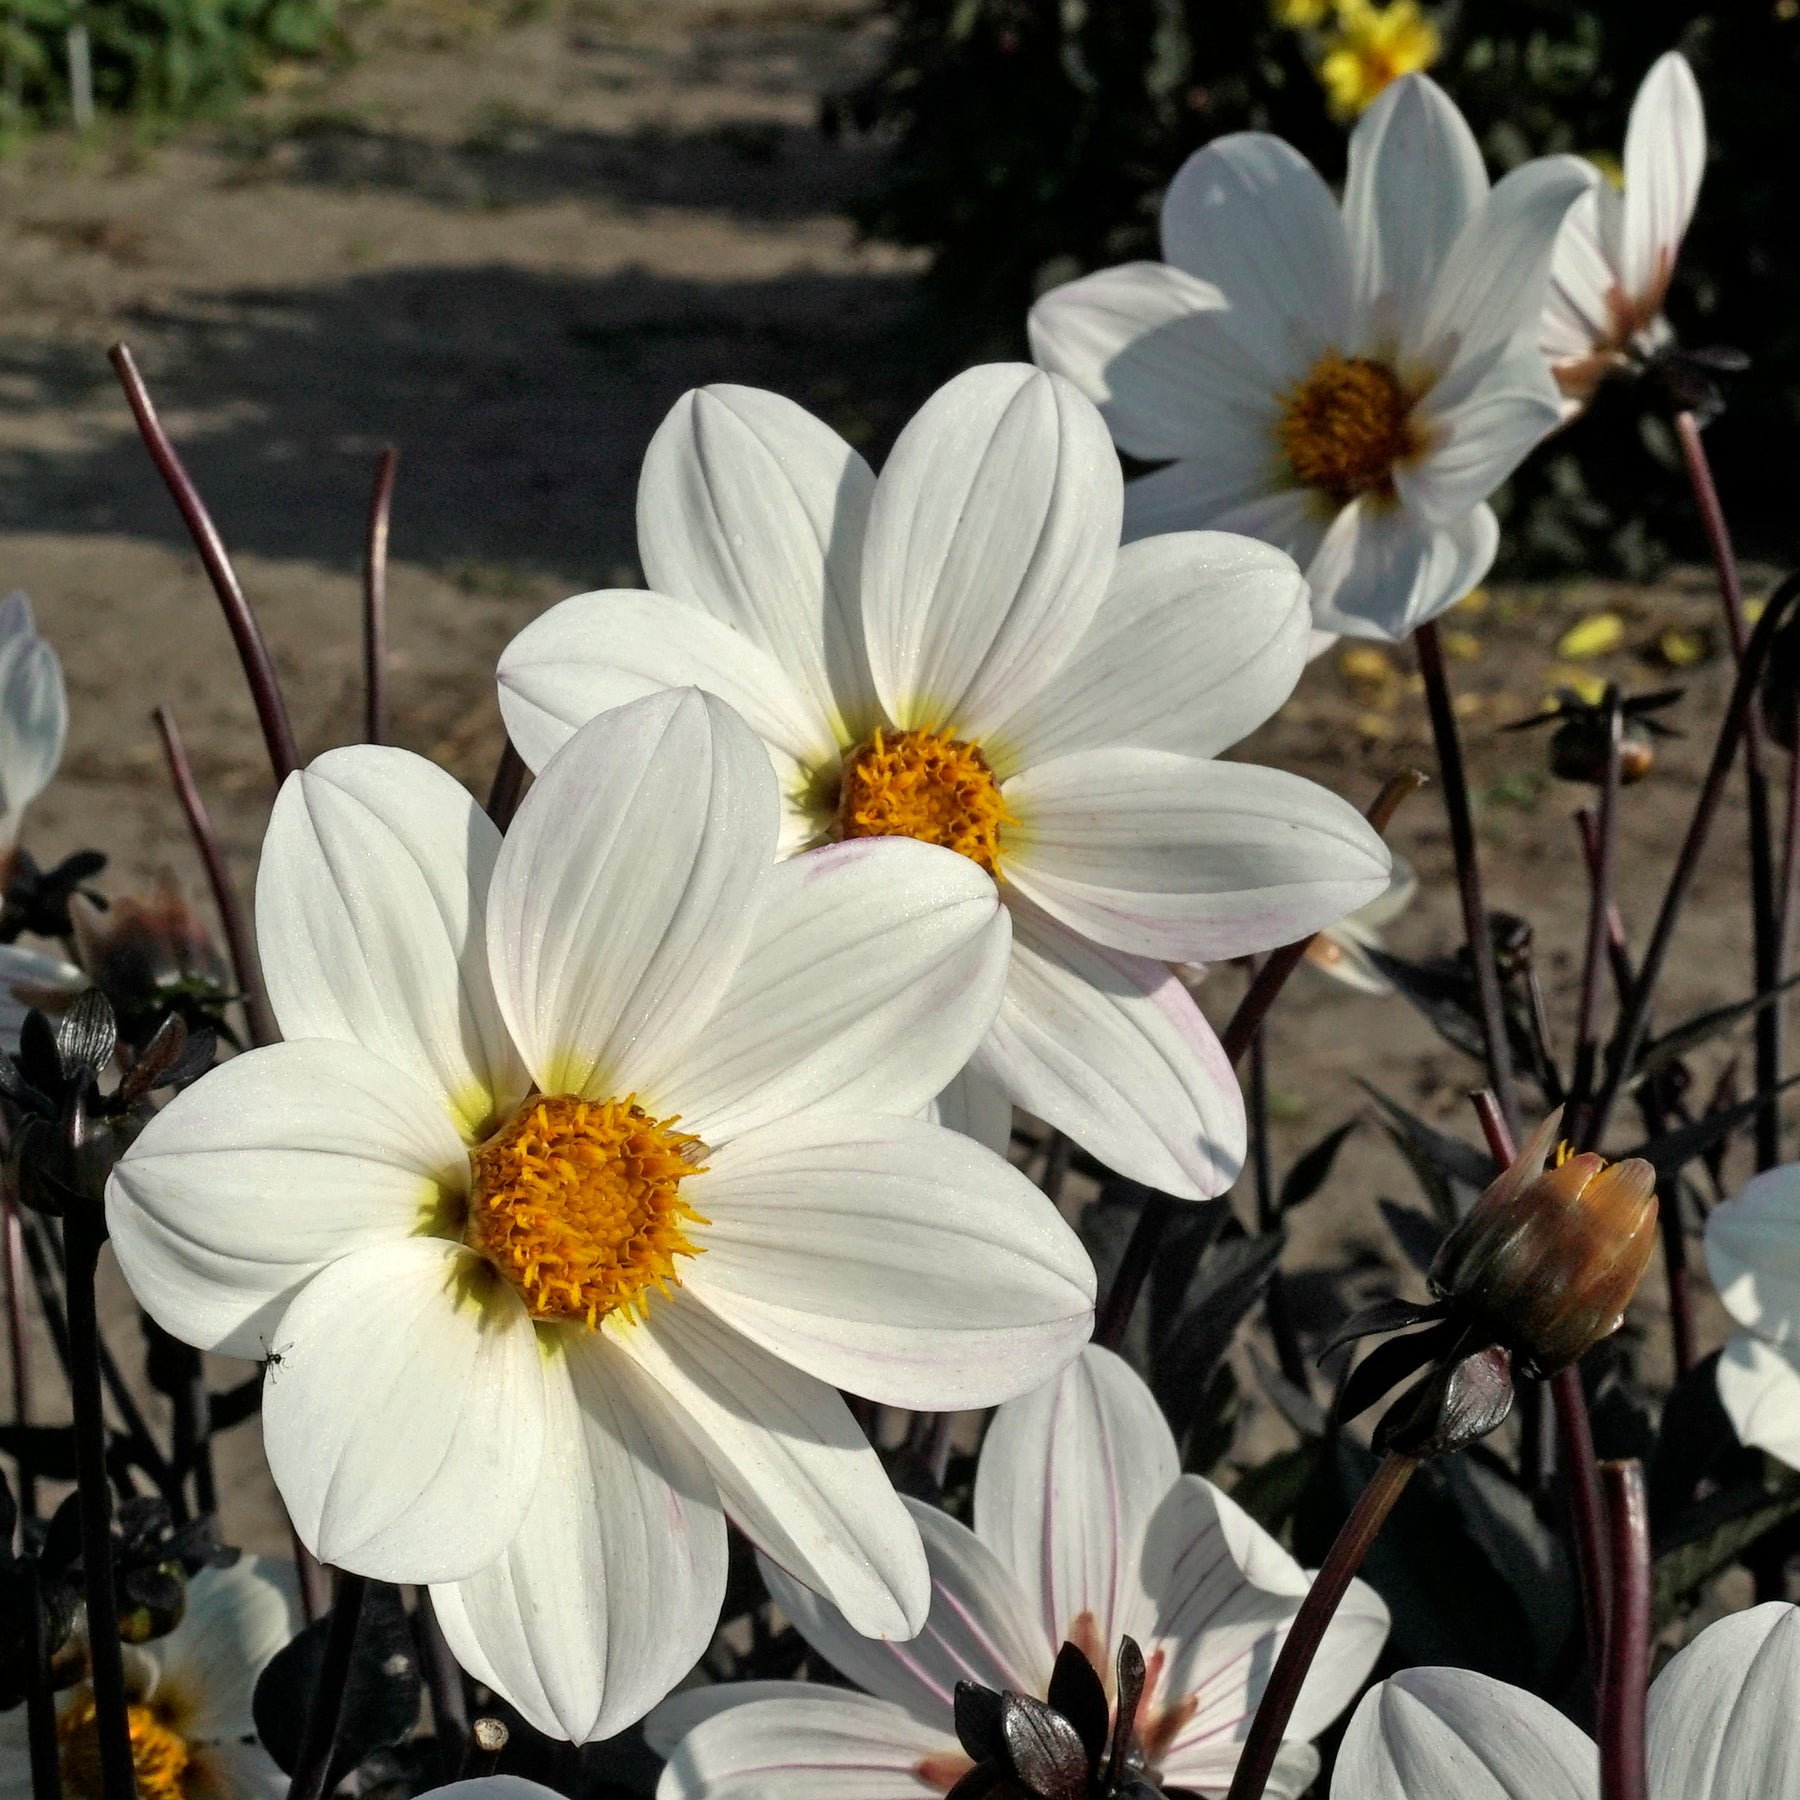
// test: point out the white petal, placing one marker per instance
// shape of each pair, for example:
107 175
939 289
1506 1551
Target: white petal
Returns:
1415 177
371 920
795 1473
1382 573
1068 1480
892 1258
983 1627
405 1422
819 1744
1721 1722
1186 859
601 650
671 1721
1577 313
610 1593
1112 1049
990 542
1207 1768
754 509
233 1772
1163 356
270 1167
872 971
1479 441
627 887
1202 636
1665 157
975 1107
1251 215
236 1620
1759 1387
1489 295
1753 1254
1240 477
494 1787
34 713
1430 1733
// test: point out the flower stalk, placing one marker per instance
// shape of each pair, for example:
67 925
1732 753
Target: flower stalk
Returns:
12 1265
318 1744
1306 1633
1587 1028
375 561
1626 1677
508 786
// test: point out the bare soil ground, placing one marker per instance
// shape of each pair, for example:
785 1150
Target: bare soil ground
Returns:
507 246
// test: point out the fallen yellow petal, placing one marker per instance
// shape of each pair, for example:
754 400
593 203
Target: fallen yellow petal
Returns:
1594 636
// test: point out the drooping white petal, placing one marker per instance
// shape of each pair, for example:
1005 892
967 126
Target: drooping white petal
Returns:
1162 355
34 713
990 543
1721 1721
236 1619
818 1743
1488 296
1202 636
1251 215
1112 1049
1068 1481
371 904
1207 1768
1665 158
670 1721
977 1108
1753 1254
1426 1734
404 1424
891 1257
1186 859
601 650
873 969
627 888
792 1467
268 1169
1759 1387
1381 572
1480 440
1242 479
1415 177
754 509
983 1627
610 1592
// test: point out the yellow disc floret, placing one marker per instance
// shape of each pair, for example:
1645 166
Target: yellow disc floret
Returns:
159 1756
577 1203
1345 427
924 785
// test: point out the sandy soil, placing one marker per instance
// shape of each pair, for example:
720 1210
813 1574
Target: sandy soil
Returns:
507 247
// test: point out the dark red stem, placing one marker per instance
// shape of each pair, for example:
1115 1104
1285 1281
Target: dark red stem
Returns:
508 786
1587 1025
1626 1677
12 1255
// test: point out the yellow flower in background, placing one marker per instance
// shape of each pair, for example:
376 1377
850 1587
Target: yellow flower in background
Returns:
1300 15
1374 45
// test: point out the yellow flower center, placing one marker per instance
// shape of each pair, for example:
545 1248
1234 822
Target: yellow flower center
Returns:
159 1756
924 785
1345 427
577 1203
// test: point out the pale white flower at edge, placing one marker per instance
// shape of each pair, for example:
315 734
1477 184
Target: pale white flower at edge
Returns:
1753 1256
961 650
536 1339
1351 383
190 1694
1085 1531
1722 1725
1616 254
34 714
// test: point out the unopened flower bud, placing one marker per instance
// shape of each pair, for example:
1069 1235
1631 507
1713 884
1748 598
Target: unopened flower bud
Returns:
1549 1258
1457 1403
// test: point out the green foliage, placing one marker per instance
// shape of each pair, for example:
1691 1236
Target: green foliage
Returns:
1031 141
154 57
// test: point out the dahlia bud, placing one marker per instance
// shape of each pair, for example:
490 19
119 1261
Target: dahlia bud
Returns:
1549 1258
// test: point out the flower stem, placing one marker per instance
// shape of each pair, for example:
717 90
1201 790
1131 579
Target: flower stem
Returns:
1628 1039
238 941
318 1743
253 652
1468 869
1276 1310
1587 1026
1146 1236
487 1739
1627 1669
1756 789
84 1234
507 788
1306 1633
40 1702
444 1681
12 1261
1574 1437
375 560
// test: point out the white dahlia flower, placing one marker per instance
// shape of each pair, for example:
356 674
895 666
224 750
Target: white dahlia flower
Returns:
34 714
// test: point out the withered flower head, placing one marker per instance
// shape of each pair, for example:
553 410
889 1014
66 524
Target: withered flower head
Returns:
1579 745
1548 1258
